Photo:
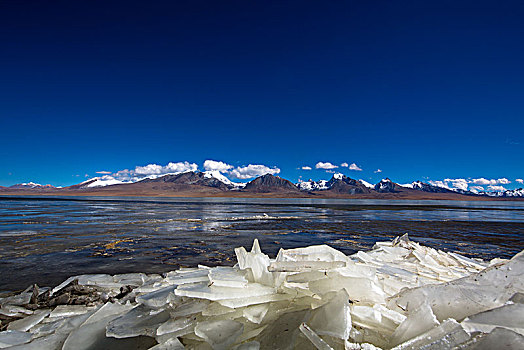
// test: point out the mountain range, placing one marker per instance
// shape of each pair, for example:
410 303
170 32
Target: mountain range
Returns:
213 183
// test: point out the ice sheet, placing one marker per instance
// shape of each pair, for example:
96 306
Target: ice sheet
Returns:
400 294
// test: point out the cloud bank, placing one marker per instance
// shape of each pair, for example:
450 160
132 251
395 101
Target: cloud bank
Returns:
325 165
252 170
213 165
473 185
170 168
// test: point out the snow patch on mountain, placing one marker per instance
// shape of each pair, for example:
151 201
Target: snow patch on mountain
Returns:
311 185
365 183
219 176
102 181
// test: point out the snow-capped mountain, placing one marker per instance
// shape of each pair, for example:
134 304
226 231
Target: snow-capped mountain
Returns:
387 186
517 193
339 183
219 176
367 184
422 186
311 185
31 185
108 180
202 182
101 181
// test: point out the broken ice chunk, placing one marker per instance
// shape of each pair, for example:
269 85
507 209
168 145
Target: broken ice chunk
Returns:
171 344
252 345
11 338
215 309
517 298
219 334
136 322
498 338
189 307
205 291
468 261
28 322
14 310
176 327
446 336
300 266
255 313
192 276
70 310
158 298
55 340
370 318
227 277
358 289
417 322
252 300
23 298
314 338
469 295
283 331
510 316
333 318
312 253
256 262
92 333
132 279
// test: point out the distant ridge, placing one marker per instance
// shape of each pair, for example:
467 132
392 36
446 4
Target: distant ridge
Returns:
213 183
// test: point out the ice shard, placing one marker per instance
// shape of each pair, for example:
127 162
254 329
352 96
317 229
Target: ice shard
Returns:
219 334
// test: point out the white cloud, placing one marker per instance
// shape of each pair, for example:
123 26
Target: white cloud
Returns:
483 181
306 168
212 165
326 165
155 169
496 188
439 183
355 167
476 189
461 184
520 181
141 172
377 171
103 172
252 170
344 165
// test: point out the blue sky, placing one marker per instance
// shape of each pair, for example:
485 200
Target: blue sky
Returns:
420 90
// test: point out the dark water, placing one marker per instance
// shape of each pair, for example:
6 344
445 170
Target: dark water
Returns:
46 240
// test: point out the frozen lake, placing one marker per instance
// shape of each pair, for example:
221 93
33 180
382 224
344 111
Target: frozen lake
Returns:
46 240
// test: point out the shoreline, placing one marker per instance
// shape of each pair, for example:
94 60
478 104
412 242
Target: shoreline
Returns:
234 194
312 294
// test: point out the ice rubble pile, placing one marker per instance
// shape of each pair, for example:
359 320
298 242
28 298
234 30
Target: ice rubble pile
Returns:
399 295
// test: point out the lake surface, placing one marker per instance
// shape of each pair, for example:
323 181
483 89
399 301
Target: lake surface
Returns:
45 240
